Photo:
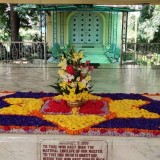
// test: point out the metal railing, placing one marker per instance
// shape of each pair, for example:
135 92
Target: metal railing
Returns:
22 52
142 53
36 52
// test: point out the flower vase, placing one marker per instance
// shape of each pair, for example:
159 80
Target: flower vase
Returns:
75 104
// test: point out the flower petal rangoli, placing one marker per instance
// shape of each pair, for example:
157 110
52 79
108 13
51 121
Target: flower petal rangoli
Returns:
81 121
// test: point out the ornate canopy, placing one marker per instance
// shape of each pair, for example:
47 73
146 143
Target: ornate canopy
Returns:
108 2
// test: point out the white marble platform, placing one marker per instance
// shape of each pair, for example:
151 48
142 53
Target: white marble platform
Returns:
106 79
27 147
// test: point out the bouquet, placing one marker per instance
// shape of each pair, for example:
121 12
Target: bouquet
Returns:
74 77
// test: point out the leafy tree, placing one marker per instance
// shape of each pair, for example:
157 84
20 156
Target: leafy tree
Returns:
15 16
4 22
149 23
156 20
146 12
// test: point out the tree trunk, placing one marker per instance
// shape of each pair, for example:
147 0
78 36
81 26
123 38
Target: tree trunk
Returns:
14 23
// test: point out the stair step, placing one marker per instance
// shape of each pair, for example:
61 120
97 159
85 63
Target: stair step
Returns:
91 50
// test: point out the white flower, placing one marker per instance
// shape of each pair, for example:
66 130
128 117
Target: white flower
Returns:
70 77
84 82
65 78
84 70
88 86
78 79
73 84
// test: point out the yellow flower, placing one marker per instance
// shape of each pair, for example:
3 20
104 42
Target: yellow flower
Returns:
72 97
130 109
21 106
88 78
81 54
79 97
63 58
63 84
72 90
59 97
74 122
81 85
63 64
61 72
73 84
75 56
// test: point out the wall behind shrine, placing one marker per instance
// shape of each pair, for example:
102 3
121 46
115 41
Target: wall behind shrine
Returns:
67 21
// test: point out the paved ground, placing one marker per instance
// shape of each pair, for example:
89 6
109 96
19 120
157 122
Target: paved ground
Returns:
106 78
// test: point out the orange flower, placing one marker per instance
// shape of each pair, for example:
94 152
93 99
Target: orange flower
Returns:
46 98
111 116
36 113
107 99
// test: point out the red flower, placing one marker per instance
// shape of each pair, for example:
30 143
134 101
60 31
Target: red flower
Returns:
135 131
102 130
92 107
120 131
26 128
57 107
43 129
91 68
85 130
87 63
156 133
6 128
70 69
81 77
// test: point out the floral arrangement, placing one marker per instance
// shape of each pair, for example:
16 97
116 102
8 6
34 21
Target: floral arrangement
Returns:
74 82
129 115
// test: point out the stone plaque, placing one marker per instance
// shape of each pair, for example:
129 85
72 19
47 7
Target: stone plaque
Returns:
73 150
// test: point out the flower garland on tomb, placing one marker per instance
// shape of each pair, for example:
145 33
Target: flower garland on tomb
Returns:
130 114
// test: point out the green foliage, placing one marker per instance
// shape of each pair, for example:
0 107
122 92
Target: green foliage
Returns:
152 59
128 56
146 12
131 22
156 38
28 19
4 22
149 23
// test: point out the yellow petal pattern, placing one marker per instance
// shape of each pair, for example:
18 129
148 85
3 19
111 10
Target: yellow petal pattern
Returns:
130 109
21 106
74 122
